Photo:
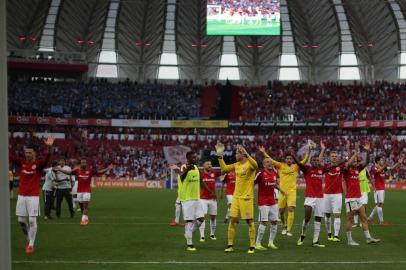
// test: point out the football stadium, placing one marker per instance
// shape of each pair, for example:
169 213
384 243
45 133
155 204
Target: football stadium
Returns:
202 134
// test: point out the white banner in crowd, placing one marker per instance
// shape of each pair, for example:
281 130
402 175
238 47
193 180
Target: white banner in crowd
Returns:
176 154
140 123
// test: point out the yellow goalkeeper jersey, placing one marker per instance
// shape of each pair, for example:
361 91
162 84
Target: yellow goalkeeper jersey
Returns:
245 177
287 174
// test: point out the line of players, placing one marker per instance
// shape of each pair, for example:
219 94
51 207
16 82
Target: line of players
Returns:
250 16
30 172
339 176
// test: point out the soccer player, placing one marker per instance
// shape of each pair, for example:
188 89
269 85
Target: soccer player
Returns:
178 207
208 199
364 186
267 181
229 181
353 196
258 20
288 172
27 209
84 177
243 197
313 176
189 195
333 193
378 183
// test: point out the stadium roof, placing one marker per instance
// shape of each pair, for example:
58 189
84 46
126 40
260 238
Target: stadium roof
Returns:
146 39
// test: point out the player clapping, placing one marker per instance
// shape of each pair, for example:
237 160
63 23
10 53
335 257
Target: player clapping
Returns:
208 178
267 181
189 195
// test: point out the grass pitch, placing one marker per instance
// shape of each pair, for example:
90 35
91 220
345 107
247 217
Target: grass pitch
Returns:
220 28
129 230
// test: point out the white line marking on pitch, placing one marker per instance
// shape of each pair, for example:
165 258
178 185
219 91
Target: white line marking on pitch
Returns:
146 223
209 262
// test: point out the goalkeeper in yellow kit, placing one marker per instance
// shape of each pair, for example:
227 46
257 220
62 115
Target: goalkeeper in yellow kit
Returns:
243 197
288 172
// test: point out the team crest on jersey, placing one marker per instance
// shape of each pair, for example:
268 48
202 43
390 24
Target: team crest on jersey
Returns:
357 172
338 169
244 168
212 175
34 167
319 171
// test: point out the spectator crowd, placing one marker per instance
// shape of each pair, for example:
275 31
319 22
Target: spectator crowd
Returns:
101 99
327 102
138 153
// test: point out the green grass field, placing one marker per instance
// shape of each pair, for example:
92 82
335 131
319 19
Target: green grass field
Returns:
220 28
129 230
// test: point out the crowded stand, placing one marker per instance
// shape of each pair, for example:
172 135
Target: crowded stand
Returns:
326 102
138 152
102 99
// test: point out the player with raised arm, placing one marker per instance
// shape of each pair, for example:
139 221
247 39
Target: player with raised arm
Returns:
228 179
364 186
353 195
288 172
267 181
84 177
378 183
313 204
27 209
243 198
189 195
208 177
333 192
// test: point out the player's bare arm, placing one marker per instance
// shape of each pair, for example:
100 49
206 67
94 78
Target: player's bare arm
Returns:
175 168
323 150
301 166
281 190
185 170
367 148
103 171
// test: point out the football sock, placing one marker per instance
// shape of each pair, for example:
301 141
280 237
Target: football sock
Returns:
261 231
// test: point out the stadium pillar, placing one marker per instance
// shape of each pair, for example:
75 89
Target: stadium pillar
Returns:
5 252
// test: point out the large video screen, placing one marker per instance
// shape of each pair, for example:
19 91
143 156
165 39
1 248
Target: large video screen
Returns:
243 17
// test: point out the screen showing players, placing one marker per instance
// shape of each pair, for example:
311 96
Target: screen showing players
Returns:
243 17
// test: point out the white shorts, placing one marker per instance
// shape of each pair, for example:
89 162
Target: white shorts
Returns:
229 199
84 196
364 198
379 196
353 204
268 212
27 206
316 204
209 207
333 203
192 210
276 194
75 188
